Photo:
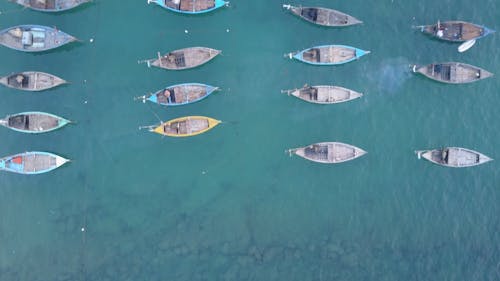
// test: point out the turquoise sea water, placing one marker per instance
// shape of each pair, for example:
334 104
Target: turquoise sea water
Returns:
230 204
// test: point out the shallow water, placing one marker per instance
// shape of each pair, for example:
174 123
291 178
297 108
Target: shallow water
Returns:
230 204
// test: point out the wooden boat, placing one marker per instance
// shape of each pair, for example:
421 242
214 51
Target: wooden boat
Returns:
456 31
34 38
51 5
452 72
455 157
184 58
186 126
328 55
323 16
32 163
33 122
190 6
31 81
328 152
180 94
324 94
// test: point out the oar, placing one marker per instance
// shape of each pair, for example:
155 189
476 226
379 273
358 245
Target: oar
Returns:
148 61
142 98
419 153
291 151
466 45
149 127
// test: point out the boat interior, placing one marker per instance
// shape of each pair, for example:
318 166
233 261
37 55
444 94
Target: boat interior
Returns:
310 13
177 58
18 80
43 4
190 5
166 96
309 92
319 152
21 122
312 55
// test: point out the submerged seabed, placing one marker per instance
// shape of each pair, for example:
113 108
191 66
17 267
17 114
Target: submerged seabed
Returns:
229 204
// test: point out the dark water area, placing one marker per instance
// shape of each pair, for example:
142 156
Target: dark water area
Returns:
230 204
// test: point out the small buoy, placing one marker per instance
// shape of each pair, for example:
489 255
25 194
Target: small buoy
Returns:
83 229
91 40
186 31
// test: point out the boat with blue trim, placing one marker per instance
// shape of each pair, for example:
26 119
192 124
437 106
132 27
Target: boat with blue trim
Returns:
32 163
180 94
33 122
34 38
328 54
51 5
31 81
456 31
190 6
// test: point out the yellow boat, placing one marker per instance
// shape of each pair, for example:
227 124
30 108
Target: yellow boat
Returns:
186 126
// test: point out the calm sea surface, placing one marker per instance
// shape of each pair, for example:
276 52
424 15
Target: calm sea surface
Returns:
230 204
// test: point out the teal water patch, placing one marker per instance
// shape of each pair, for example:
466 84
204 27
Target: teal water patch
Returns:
231 204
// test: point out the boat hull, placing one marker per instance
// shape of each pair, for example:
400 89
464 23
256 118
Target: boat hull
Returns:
323 16
190 6
452 72
34 38
31 81
51 6
184 58
181 94
329 152
325 94
456 31
455 157
186 126
32 163
329 55
34 122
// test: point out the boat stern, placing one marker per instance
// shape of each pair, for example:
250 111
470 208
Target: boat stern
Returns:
487 31
213 122
63 122
360 53
60 161
359 152
152 98
355 95
485 74
483 159
158 129
210 89
221 3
